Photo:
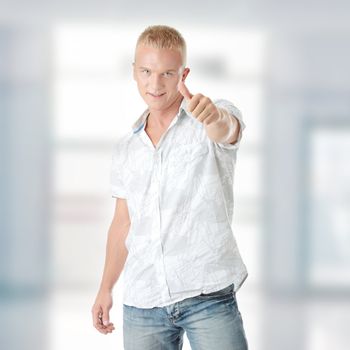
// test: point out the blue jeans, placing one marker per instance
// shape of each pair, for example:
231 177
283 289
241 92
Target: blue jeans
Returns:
211 321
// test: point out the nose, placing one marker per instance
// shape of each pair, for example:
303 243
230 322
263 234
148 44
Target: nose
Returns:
155 82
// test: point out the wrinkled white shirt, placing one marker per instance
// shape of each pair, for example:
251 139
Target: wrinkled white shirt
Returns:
180 201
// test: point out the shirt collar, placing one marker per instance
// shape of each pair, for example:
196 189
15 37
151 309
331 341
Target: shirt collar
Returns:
139 124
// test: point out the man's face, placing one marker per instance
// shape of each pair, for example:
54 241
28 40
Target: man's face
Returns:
157 73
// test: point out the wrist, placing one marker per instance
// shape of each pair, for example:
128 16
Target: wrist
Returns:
105 289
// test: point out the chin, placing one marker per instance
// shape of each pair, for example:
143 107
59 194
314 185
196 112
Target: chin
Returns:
154 103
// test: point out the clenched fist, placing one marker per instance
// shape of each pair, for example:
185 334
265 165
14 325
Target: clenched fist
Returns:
201 107
100 312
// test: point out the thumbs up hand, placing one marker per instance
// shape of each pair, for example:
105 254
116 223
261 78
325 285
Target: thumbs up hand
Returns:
200 106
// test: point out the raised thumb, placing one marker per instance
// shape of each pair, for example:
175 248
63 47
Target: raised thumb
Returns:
184 90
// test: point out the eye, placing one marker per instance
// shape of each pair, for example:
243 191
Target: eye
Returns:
168 73
145 70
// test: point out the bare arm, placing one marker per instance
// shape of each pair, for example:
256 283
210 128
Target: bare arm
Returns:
225 128
116 252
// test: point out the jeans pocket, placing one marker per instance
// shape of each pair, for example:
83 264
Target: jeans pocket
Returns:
222 293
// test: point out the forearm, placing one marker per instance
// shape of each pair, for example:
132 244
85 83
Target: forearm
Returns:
225 129
116 254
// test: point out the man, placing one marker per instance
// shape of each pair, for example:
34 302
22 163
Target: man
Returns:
172 175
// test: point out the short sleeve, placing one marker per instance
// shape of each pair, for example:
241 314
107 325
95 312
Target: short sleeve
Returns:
232 109
116 174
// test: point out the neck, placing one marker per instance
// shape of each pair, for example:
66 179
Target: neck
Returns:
160 119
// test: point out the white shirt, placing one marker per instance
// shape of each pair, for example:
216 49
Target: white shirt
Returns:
180 201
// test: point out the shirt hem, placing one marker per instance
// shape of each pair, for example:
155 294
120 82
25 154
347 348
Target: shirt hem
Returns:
241 278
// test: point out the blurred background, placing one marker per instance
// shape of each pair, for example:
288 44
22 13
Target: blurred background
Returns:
67 94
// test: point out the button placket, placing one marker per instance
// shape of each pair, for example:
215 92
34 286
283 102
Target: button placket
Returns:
159 226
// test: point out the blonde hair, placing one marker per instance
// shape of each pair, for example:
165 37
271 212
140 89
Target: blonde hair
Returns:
163 37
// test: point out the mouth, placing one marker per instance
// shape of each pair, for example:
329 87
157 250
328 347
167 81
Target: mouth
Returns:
156 96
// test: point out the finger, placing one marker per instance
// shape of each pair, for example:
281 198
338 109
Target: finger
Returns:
95 315
104 329
100 328
184 90
105 317
98 324
200 110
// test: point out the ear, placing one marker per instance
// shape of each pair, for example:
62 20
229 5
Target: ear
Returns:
185 73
